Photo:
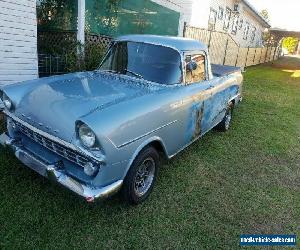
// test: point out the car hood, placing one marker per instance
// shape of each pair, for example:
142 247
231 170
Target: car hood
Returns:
55 105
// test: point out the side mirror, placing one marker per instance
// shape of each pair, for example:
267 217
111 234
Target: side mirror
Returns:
192 65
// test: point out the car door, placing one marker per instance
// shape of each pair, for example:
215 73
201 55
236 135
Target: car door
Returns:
198 99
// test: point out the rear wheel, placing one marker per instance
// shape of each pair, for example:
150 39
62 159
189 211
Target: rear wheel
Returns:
225 124
141 177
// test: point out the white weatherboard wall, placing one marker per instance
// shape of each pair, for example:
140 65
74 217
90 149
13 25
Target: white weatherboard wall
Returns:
247 16
18 41
184 7
196 13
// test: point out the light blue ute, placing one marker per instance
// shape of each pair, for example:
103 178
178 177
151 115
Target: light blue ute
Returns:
103 131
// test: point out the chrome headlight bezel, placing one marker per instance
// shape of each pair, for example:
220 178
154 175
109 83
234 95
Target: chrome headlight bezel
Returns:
86 136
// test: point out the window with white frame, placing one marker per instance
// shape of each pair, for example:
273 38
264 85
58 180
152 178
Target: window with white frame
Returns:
221 13
241 22
235 24
253 33
227 17
246 31
212 19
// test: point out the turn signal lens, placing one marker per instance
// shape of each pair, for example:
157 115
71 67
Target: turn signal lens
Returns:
90 169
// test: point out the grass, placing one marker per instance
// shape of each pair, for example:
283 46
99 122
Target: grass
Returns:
226 184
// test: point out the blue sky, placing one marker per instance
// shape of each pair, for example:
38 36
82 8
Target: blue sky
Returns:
283 14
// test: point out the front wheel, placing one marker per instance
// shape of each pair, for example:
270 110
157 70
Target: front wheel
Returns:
141 176
224 125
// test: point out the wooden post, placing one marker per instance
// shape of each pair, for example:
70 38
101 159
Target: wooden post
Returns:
226 47
237 57
80 25
247 57
208 46
266 54
279 51
254 56
260 55
298 49
184 29
274 54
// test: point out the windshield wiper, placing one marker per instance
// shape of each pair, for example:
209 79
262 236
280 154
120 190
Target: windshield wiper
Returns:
133 73
125 70
109 70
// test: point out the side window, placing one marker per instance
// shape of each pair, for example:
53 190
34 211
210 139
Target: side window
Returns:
196 72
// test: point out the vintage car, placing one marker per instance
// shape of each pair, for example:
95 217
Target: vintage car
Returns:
101 132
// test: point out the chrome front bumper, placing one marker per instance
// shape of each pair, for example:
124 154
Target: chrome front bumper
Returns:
56 174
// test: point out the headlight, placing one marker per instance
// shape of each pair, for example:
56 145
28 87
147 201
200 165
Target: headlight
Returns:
7 102
86 136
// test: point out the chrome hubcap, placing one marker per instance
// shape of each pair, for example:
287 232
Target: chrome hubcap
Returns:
144 177
228 120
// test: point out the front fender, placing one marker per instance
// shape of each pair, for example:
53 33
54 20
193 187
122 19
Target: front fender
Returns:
143 145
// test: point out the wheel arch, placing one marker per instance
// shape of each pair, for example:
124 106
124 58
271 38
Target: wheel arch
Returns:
156 142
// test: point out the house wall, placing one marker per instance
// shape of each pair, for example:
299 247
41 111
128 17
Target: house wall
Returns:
196 13
184 7
18 41
247 17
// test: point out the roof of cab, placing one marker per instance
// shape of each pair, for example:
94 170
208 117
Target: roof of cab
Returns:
178 43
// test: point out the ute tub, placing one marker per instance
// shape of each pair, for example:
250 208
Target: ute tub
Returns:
224 70
58 175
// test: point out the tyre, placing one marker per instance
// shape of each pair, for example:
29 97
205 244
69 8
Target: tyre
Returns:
141 176
224 125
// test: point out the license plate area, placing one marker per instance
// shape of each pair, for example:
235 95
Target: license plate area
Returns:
32 162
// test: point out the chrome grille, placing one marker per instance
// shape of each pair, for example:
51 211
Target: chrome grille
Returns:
53 146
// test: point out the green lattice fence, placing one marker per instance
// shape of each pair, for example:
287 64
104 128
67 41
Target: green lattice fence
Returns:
57 21
109 17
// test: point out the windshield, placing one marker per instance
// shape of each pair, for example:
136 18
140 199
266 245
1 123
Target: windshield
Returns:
146 61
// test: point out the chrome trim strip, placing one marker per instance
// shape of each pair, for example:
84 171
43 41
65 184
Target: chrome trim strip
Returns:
144 135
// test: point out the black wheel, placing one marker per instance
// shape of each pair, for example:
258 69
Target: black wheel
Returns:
224 125
141 176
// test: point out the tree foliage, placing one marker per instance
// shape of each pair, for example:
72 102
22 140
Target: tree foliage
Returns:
290 43
57 15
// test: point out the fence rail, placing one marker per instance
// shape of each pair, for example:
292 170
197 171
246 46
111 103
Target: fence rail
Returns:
224 50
